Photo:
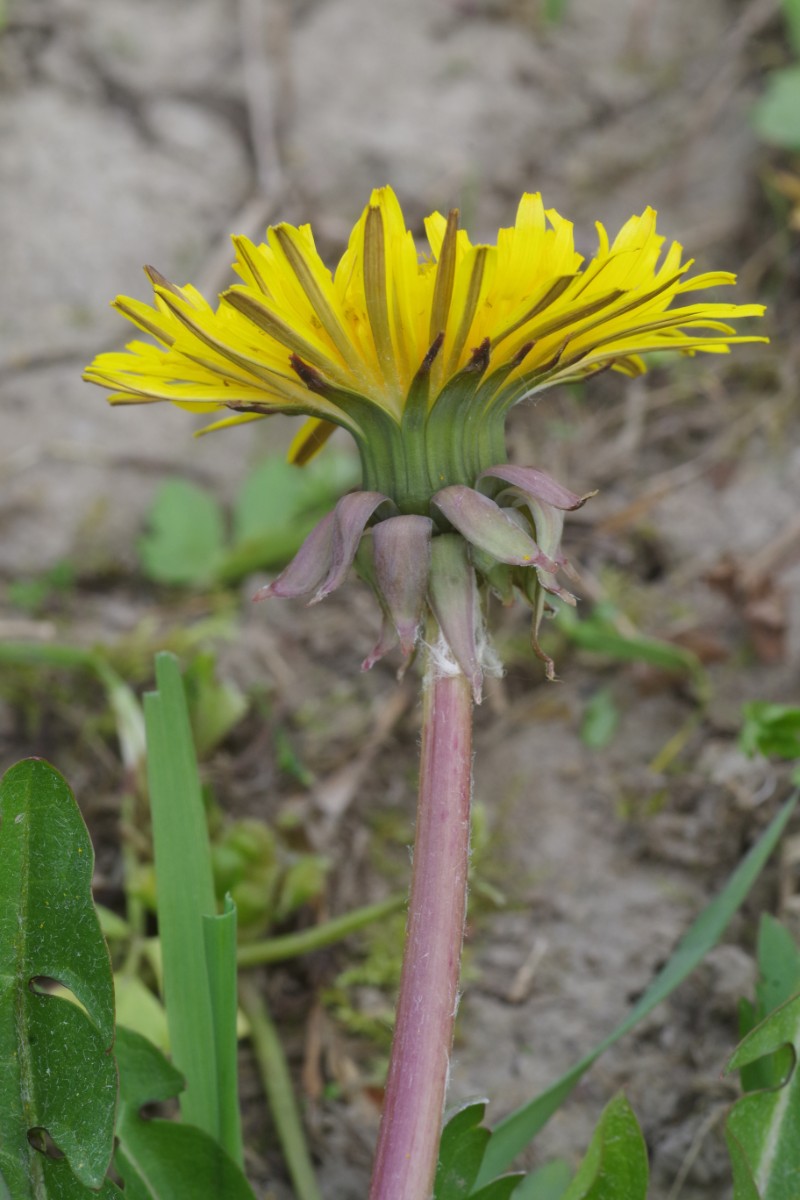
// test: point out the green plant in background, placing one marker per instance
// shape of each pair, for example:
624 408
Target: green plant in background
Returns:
164 1160
157 1159
554 11
600 634
772 730
777 113
762 1128
187 542
421 362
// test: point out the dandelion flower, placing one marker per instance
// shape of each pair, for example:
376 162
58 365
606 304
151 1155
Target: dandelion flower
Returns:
420 358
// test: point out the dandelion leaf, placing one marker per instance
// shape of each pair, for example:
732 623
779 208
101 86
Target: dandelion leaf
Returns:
615 1165
763 1129
58 1078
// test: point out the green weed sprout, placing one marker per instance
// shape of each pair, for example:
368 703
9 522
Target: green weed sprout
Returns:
421 359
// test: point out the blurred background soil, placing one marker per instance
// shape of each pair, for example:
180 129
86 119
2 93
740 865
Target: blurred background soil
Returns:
147 132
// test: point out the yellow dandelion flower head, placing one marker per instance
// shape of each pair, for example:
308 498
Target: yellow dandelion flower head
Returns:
406 350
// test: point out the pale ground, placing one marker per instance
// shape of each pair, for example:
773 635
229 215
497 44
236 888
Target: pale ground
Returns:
145 132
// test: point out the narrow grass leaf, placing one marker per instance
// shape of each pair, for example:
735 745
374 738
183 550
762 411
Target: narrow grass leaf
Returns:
280 1095
220 943
513 1134
185 891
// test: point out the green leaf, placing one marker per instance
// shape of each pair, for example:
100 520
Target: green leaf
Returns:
615 1166
140 1010
303 882
598 633
776 116
185 890
791 10
164 1160
771 729
184 541
744 1187
554 11
549 1182
779 980
500 1189
215 707
461 1152
56 1069
58 1183
762 1129
277 506
600 720
271 498
513 1134
779 966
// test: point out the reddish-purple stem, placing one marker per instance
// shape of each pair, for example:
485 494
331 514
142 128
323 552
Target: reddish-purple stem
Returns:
408 1142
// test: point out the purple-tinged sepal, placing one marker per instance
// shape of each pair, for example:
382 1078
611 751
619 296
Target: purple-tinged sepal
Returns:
454 600
402 559
534 593
487 526
309 567
351 515
536 484
364 565
322 562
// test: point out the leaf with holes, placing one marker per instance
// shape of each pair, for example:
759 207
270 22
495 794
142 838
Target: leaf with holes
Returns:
58 1078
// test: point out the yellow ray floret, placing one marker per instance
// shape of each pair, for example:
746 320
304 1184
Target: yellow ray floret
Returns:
294 337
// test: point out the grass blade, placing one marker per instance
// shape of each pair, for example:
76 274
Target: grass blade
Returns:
185 891
220 944
513 1134
278 1085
